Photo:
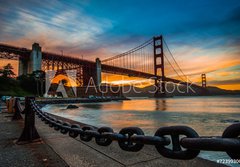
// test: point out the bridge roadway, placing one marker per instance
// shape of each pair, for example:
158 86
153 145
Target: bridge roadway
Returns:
15 53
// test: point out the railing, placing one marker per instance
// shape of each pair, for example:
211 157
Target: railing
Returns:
133 138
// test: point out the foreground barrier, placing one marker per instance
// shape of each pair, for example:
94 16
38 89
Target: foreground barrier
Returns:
29 133
133 138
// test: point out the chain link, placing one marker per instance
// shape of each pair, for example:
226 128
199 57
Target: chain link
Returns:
133 138
176 152
233 131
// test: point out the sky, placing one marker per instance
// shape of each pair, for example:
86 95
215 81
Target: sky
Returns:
204 36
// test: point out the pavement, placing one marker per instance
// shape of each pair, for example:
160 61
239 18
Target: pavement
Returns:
56 149
37 154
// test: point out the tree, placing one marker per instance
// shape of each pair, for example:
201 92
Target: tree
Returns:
39 76
7 72
28 83
33 83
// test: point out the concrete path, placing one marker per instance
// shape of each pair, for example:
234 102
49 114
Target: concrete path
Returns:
37 154
78 153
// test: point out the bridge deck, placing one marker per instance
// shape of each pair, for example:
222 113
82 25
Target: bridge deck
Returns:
16 52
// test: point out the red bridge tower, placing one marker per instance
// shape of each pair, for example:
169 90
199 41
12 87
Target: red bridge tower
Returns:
159 65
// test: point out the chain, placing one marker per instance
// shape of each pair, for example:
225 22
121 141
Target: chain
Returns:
133 138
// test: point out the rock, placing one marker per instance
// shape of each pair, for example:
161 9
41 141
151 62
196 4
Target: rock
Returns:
70 106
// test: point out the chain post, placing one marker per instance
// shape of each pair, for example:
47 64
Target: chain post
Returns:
29 133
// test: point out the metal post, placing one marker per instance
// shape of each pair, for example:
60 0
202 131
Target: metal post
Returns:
29 133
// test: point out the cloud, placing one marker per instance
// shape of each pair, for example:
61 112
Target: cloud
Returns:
203 36
71 31
228 73
195 61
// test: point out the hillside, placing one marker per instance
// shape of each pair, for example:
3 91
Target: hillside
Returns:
148 91
217 91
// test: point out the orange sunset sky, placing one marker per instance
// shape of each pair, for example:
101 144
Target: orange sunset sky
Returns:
204 37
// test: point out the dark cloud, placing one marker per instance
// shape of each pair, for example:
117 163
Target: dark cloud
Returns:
221 30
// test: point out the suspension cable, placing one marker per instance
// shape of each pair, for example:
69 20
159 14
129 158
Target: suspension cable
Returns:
174 59
173 67
130 51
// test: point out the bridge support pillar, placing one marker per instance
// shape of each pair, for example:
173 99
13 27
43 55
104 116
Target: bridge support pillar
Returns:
22 66
98 72
159 65
204 91
35 61
89 75
204 81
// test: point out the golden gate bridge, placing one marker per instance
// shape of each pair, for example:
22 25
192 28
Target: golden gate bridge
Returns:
152 60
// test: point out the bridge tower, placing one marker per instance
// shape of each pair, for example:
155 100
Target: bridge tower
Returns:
159 65
33 63
22 66
204 81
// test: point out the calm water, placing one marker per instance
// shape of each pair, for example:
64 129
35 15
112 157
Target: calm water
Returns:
207 115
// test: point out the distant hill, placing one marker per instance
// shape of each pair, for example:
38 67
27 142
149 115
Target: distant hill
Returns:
217 91
130 91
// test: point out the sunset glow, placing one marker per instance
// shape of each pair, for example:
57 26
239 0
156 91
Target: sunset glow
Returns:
91 29
70 82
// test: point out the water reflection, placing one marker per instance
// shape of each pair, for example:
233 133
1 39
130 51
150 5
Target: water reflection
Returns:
127 119
161 104
207 115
